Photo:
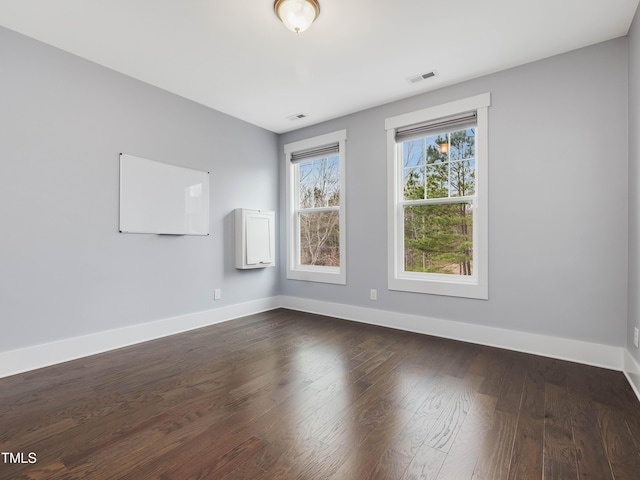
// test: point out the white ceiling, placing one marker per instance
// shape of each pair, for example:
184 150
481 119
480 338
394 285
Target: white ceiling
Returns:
236 57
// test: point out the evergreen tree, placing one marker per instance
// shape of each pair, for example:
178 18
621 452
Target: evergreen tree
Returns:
439 237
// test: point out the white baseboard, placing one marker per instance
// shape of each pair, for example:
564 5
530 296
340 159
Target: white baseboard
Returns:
617 358
632 372
38 356
594 354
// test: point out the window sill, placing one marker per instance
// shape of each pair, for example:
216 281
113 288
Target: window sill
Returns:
318 274
466 289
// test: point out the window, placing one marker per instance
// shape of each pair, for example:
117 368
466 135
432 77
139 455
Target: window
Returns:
315 209
438 199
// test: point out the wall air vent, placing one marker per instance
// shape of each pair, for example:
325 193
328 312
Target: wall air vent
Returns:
421 77
297 116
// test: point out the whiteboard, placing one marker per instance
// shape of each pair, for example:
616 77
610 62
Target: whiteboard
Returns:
161 198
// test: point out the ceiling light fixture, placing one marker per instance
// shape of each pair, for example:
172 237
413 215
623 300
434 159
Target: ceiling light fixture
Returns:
297 15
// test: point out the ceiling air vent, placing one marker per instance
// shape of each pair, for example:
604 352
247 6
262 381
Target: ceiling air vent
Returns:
298 116
421 77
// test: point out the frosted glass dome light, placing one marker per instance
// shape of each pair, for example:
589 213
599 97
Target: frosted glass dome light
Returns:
297 15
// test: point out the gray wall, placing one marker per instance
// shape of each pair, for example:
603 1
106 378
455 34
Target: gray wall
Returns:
65 270
634 182
558 200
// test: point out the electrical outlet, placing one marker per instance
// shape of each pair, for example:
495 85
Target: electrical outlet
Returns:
635 336
217 294
373 294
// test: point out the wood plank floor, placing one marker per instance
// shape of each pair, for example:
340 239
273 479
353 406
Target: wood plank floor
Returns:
287 395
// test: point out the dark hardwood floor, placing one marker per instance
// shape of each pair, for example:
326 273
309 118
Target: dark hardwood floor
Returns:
297 396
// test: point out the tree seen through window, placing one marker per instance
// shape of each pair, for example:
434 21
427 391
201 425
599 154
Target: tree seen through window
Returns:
318 214
438 229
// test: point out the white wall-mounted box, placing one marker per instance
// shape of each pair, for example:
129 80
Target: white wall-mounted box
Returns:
255 238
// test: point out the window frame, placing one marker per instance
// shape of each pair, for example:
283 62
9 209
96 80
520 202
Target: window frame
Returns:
476 285
295 270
